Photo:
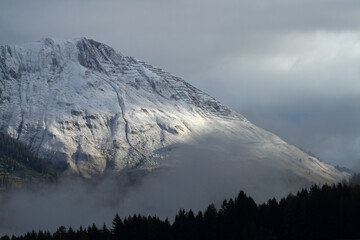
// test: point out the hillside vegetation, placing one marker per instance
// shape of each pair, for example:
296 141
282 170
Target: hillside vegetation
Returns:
19 167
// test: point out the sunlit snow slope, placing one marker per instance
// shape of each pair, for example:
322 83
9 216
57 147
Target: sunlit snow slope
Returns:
78 102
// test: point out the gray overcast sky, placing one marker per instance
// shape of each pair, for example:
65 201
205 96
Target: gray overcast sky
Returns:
290 66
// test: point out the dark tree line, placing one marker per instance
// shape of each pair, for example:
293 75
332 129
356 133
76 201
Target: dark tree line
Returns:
19 167
327 212
14 154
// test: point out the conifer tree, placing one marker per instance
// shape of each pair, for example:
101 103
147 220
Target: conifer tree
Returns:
117 227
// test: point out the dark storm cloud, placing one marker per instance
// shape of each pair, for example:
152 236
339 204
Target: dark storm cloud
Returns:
251 55
324 128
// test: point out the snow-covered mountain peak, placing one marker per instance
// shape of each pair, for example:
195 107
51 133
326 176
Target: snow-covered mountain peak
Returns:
80 103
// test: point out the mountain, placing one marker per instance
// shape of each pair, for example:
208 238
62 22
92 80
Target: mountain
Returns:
80 104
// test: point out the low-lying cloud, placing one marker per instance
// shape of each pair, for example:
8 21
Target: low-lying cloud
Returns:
195 175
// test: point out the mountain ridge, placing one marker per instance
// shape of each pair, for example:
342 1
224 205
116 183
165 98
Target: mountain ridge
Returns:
81 103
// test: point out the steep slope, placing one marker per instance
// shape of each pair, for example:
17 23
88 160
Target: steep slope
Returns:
81 103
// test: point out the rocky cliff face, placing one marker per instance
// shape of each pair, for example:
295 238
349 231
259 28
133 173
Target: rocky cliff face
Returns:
80 103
